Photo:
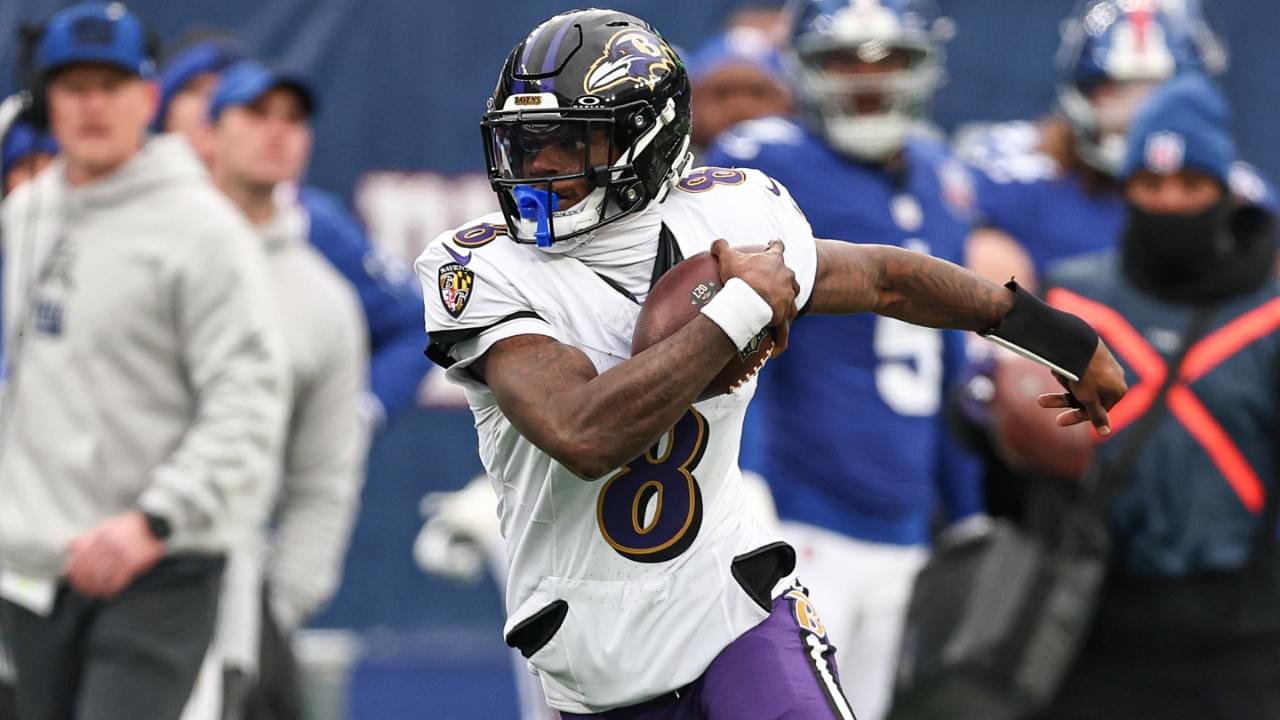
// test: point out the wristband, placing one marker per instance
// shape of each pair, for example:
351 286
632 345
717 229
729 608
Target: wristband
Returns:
739 311
1058 340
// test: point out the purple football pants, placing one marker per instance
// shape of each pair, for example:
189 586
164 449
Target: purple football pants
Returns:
781 669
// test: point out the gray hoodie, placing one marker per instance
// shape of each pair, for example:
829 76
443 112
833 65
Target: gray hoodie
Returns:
313 501
146 365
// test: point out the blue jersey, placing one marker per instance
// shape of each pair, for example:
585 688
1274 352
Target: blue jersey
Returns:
846 425
389 294
1048 209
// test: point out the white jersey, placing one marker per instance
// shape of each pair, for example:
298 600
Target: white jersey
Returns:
639 563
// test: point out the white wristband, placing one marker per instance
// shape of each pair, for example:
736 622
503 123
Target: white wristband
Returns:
739 311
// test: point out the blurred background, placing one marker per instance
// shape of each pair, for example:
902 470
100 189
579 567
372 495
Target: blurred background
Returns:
401 87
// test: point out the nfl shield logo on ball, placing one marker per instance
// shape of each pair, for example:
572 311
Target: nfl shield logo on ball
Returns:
1165 152
456 283
752 347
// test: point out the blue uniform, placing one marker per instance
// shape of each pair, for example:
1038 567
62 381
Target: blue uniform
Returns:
846 426
388 293
1047 209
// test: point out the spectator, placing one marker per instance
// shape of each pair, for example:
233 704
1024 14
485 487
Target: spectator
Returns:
187 80
146 391
261 138
390 298
1189 625
736 76
25 150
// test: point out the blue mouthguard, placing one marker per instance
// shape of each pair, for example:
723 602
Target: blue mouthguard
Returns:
537 205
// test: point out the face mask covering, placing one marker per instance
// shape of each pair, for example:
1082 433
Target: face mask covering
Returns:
1178 248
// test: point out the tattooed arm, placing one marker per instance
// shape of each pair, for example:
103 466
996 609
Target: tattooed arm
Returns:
593 422
906 285
924 290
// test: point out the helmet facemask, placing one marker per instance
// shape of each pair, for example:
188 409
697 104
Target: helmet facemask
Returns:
869 114
1099 119
1112 55
620 153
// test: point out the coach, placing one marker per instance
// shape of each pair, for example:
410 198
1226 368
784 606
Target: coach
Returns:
146 390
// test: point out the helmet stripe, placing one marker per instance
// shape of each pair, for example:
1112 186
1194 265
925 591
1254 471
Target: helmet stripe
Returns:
528 50
549 62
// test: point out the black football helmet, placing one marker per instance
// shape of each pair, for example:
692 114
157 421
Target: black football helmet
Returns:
581 77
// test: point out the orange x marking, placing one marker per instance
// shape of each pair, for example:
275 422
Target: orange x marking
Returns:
1203 357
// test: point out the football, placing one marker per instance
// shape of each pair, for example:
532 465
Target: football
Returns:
1027 436
677 298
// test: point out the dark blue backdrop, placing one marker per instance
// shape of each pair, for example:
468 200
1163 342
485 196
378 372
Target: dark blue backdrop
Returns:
402 84
403 81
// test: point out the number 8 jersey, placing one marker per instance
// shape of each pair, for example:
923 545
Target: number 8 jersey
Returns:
626 587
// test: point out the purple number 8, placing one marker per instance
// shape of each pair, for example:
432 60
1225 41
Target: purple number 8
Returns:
703 179
661 478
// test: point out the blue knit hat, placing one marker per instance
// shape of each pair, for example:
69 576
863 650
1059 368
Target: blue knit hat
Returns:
1186 123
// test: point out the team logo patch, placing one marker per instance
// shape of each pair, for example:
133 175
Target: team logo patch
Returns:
806 615
634 56
456 286
1164 152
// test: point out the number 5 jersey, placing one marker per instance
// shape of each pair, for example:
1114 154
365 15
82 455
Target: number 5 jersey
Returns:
624 587
868 381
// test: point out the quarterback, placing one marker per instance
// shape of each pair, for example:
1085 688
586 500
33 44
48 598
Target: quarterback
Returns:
639 585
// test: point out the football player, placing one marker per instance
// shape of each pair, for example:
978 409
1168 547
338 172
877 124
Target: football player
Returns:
860 171
1049 188
639 587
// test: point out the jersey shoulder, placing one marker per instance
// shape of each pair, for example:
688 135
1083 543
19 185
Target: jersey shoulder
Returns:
745 207
1007 153
470 274
759 139
733 203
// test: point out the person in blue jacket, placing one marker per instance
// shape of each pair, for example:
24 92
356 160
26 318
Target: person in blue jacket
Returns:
1189 624
847 425
389 294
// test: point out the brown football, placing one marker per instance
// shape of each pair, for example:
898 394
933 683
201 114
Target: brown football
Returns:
1027 436
677 298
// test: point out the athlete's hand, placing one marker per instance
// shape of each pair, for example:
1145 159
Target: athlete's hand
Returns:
1089 399
106 559
770 277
